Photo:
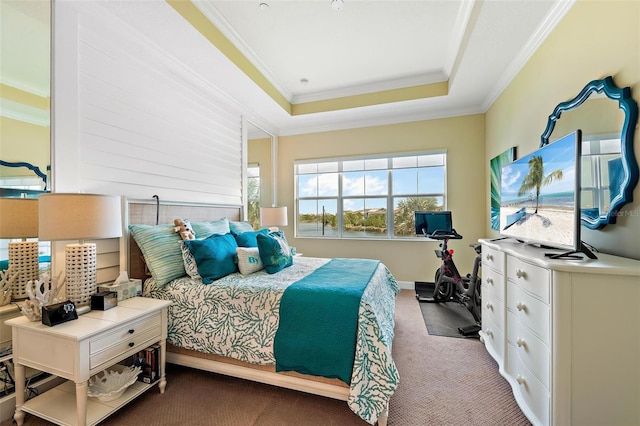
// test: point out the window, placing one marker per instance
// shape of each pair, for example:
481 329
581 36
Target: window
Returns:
253 195
367 197
601 170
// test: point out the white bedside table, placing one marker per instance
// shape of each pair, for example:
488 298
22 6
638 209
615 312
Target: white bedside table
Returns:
78 349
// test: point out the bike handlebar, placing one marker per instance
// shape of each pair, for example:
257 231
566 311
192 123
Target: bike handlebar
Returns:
444 235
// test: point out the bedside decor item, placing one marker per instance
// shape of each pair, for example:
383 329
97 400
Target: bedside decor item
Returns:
59 313
79 217
104 300
19 219
41 293
7 277
111 384
273 217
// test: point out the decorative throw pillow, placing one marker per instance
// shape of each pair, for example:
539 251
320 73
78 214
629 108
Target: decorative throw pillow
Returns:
240 227
214 256
248 239
274 251
249 260
205 229
160 247
190 265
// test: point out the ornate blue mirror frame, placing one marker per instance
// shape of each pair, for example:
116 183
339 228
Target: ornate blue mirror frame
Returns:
629 178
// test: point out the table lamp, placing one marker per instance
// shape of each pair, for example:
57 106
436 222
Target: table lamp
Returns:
19 219
273 217
79 217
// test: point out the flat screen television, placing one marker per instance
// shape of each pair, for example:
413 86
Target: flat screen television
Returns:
427 222
540 197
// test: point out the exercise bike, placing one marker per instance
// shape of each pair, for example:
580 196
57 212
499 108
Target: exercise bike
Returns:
450 286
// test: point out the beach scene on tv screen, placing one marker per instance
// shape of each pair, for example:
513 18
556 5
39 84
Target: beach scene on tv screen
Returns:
537 196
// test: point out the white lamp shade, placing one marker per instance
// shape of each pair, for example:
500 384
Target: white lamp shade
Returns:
273 216
79 216
18 218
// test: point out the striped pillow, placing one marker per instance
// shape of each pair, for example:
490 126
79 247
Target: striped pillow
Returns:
162 249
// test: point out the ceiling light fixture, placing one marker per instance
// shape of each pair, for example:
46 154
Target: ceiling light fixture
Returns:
304 81
337 4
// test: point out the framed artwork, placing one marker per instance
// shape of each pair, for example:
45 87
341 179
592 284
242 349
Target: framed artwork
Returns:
495 167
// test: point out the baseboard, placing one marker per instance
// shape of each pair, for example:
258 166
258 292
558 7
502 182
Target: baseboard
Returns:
406 285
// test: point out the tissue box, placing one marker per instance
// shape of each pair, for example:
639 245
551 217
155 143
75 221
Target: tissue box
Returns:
125 290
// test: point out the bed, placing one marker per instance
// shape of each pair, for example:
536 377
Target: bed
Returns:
233 325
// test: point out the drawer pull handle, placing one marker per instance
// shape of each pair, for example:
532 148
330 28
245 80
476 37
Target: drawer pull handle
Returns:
131 344
521 380
521 342
489 333
490 281
489 306
131 331
521 306
489 257
521 274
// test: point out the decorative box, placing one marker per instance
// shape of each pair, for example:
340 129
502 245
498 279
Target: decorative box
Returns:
104 300
125 289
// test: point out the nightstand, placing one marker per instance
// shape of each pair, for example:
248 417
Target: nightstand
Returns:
78 349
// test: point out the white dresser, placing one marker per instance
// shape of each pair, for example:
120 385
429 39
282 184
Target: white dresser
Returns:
565 333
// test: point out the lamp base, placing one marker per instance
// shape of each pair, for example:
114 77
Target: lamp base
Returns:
23 258
80 268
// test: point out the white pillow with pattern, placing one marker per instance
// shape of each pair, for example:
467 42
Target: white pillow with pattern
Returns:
249 260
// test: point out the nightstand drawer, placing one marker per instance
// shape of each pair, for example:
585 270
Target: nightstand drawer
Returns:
122 339
138 340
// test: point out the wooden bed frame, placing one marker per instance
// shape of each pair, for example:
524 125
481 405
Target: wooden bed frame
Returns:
146 213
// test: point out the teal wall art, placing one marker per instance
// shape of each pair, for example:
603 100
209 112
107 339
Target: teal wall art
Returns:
495 167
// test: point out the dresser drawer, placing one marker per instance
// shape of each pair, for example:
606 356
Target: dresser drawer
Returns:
494 284
493 259
529 311
493 339
492 309
532 351
532 396
531 278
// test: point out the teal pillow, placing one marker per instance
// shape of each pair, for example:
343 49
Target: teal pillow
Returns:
215 256
249 239
160 247
274 251
240 227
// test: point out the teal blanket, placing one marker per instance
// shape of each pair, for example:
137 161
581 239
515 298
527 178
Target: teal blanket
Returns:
319 319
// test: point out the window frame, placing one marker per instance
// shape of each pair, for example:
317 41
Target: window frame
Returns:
390 196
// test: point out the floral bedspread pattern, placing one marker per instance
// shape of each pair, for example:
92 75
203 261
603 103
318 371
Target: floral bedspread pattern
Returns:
238 315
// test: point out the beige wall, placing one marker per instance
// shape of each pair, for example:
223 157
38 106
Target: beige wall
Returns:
574 54
260 153
462 137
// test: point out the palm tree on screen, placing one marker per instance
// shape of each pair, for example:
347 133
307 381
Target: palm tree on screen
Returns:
536 179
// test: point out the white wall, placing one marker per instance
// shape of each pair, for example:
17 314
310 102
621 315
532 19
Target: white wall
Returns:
130 118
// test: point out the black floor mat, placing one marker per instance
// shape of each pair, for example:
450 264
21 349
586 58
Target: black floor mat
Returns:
443 319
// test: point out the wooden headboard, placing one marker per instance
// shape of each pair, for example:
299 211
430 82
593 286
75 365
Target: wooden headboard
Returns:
144 212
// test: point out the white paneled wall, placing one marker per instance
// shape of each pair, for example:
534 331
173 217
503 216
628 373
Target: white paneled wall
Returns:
130 119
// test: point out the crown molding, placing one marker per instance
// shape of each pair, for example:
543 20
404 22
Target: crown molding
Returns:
25 113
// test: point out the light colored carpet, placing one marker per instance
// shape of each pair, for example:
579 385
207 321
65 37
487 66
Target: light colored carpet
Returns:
443 381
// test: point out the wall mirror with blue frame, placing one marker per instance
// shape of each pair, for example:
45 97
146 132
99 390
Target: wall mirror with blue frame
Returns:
607 116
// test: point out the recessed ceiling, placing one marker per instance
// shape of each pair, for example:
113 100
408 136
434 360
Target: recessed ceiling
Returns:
377 48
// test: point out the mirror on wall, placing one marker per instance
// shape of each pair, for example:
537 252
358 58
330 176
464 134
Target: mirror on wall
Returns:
25 154
261 172
607 116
